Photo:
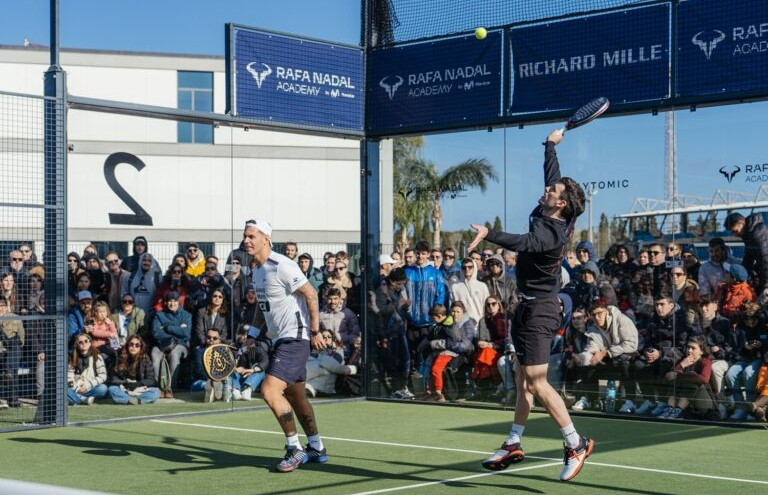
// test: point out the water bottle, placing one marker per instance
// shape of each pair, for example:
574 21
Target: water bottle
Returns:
227 390
610 397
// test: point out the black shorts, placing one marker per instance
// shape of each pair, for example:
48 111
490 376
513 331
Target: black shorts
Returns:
534 327
288 360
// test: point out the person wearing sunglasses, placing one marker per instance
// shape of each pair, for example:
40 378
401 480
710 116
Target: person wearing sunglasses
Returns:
171 329
143 283
470 291
133 381
86 373
195 260
206 283
131 320
214 316
118 278
540 254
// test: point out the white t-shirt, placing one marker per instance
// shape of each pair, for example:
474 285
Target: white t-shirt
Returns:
286 313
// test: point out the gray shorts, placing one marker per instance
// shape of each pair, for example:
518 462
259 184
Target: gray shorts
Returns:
288 360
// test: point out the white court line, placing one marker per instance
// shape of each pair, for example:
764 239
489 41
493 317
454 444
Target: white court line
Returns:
428 447
451 480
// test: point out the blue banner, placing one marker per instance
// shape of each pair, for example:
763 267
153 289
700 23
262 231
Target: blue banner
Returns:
444 84
723 47
283 79
623 56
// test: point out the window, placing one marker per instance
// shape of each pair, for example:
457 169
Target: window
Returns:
195 93
103 247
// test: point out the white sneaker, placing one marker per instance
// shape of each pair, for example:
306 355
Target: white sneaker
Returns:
208 398
311 392
218 390
246 393
628 407
581 404
645 407
407 394
574 458
236 394
89 401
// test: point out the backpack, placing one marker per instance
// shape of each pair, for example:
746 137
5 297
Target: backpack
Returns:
164 375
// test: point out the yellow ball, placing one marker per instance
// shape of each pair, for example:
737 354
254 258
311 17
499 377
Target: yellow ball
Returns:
481 33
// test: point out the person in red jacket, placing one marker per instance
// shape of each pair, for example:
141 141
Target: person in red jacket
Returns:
691 382
734 291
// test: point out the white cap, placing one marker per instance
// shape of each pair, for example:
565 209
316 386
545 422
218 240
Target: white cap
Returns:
261 225
386 259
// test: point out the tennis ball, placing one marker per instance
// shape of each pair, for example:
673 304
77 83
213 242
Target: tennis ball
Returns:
480 33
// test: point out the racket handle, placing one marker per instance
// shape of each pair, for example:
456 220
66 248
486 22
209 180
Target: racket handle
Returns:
562 130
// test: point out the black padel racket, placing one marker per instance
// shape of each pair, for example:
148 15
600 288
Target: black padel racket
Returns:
219 361
587 113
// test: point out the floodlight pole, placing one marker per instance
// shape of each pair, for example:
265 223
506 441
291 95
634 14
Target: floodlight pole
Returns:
52 407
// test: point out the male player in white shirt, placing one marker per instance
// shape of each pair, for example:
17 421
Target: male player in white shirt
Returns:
290 307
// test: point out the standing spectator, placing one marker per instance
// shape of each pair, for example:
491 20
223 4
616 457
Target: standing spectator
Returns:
20 274
143 283
410 257
34 345
100 280
734 291
133 381
674 251
754 233
236 280
86 373
398 259
291 250
657 269
131 263
436 257
11 344
393 351
171 329
329 264
313 274
713 271
195 260
73 271
450 269
470 291
118 279
131 320
30 258
386 264
510 260
339 320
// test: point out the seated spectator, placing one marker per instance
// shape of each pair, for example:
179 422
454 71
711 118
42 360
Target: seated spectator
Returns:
214 389
215 315
341 279
12 337
641 298
131 320
237 280
556 369
103 333
252 362
100 279
691 377
171 329
463 344
734 291
574 343
117 279
143 283
339 319
612 342
77 315
324 366
209 281
759 406
133 381
440 339
73 271
714 328
690 263
175 280
86 373
586 291
746 346
491 345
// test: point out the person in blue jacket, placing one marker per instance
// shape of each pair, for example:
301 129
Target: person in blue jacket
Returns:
171 328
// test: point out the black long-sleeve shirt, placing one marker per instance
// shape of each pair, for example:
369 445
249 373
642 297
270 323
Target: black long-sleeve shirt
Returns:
541 250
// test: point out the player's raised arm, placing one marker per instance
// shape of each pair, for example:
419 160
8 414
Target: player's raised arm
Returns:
551 164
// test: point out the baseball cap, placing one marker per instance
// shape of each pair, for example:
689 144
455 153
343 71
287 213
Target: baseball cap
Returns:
386 259
84 294
261 225
172 295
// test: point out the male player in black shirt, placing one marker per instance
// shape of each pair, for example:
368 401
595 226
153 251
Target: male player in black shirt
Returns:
540 255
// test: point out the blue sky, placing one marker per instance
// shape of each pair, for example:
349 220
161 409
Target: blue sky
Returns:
621 148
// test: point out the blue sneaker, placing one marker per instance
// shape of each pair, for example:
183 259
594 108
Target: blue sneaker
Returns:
659 409
294 457
314 455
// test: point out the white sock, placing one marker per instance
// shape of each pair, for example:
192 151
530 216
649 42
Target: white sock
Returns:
570 436
515 434
315 442
293 441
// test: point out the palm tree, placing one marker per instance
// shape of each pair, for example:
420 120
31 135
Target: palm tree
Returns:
474 172
409 203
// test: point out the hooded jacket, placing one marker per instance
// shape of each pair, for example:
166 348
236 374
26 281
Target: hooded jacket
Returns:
618 337
472 293
756 249
342 322
425 288
131 263
503 286
314 275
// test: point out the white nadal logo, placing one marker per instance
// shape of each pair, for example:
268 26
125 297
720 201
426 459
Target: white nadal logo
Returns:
259 76
708 46
391 88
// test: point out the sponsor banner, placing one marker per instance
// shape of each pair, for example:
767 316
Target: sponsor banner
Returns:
444 84
295 81
561 65
723 47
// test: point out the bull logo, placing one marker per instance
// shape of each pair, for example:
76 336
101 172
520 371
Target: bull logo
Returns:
708 46
259 76
391 88
730 172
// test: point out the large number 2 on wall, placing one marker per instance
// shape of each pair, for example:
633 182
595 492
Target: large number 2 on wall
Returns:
139 216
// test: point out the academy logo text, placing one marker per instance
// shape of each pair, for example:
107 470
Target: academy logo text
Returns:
437 82
301 81
738 41
752 172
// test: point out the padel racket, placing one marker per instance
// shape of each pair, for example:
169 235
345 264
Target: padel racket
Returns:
587 113
219 361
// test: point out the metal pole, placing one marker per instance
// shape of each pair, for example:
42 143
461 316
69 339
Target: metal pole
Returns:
52 407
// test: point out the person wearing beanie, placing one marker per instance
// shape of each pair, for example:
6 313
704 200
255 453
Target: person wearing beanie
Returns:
734 291
131 263
313 274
